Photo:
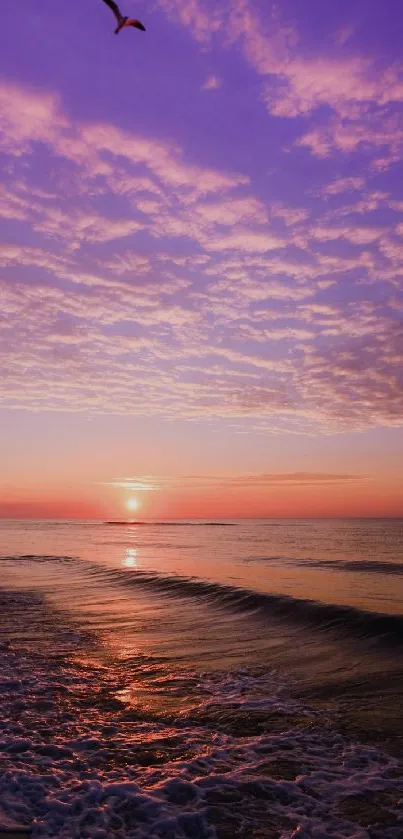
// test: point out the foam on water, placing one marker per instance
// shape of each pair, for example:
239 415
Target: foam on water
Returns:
87 753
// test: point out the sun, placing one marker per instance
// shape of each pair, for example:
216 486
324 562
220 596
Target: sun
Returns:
132 504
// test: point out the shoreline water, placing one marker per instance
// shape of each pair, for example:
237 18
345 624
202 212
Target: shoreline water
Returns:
84 755
148 703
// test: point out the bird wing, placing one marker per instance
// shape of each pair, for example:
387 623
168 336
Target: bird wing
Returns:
137 24
115 8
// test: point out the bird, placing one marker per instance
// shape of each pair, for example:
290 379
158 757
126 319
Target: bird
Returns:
122 19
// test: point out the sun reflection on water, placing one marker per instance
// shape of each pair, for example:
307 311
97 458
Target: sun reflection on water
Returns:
130 558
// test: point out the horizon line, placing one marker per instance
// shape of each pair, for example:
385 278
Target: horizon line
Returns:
151 520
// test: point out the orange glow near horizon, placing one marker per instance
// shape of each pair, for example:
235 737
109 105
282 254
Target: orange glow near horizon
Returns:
269 495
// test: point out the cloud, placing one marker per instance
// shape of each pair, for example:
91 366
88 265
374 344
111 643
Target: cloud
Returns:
299 84
247 481
233 211
362 97
290 215
358 381
14 254
377 133
135 280
339 185
246 240
128 262
29 117
137 484
357 235
291 479
212 83
202 19
344 34
340 83
77 227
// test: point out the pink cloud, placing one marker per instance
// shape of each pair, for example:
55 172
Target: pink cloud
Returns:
339 185
357 235
212 83
236 318
246 240
29 116
290 215
339 82
202 20
361 96
371 133
301 84
233 211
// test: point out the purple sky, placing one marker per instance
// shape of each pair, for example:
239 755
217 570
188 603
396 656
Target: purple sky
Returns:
201 253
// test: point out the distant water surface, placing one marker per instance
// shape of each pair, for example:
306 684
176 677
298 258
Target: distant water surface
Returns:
294 557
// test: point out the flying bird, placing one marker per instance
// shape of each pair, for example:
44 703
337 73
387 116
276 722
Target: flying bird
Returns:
122 19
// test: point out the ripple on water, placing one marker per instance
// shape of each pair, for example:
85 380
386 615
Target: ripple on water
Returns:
242 759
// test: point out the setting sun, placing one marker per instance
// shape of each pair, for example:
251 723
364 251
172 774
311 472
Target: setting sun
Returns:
132 504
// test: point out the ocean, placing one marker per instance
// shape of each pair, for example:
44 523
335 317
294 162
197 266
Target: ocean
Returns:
202 679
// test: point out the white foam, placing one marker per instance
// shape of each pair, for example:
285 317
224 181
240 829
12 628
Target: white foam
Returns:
77 767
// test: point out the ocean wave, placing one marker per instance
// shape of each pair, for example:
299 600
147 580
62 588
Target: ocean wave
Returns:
359 566
358 623
309 613
37 558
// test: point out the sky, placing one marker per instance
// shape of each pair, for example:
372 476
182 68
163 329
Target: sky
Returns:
201 259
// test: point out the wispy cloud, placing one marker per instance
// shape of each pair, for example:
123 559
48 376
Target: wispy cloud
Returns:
364 97
141 276
137 484
212 83
236 482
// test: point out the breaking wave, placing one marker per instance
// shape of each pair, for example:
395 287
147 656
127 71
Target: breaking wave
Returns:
358 623
309 613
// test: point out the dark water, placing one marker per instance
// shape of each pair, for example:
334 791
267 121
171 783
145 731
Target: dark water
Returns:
202 679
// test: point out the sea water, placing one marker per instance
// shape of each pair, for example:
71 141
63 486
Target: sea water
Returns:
202 679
